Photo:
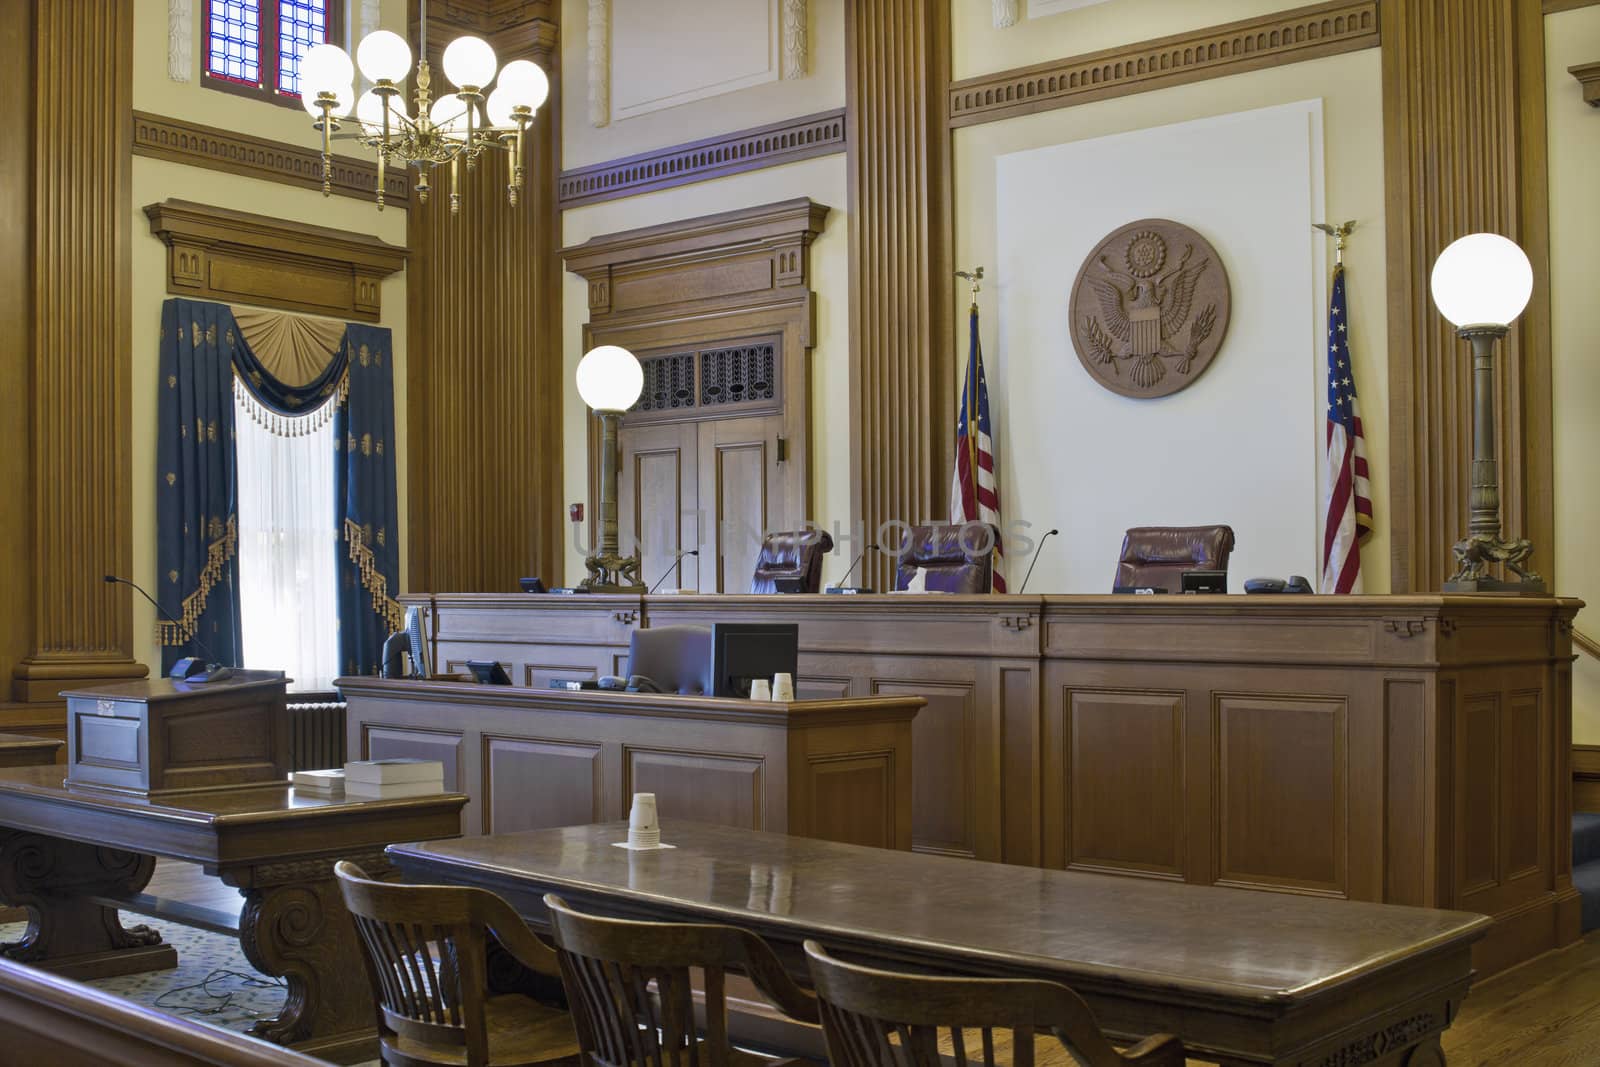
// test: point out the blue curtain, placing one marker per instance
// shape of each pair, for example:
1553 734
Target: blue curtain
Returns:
364 481
197 531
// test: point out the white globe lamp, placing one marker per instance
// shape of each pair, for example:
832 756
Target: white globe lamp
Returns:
384 56
610 380
526 82
344 100
325 68
469 63
1481 283
1482 279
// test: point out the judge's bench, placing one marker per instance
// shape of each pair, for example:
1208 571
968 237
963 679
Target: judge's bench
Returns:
1405 749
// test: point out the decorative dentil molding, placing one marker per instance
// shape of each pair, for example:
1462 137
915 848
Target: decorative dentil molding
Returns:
257 157
599 62
714 157
219 254
180 40
1005 13
795 43
1323 29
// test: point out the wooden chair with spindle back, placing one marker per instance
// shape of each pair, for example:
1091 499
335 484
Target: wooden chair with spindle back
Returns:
426 953
873 1018
610 965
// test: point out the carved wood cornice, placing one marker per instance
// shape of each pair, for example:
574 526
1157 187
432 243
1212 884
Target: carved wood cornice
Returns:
1588 75
231 152
1451 170
220 254
1553 6
714 157
1324 29
748 257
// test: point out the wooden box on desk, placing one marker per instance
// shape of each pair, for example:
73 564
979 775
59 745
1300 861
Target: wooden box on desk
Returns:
158 736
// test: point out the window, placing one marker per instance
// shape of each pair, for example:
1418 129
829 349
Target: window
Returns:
288 544
253 47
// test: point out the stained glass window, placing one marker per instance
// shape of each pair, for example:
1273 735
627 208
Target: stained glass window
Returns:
254 46
234 38
301 24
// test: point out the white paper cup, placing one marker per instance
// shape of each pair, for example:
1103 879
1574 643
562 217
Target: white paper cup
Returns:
759 690
783 686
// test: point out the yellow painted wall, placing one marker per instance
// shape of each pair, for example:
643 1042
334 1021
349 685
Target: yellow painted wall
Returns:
155 180
1573 37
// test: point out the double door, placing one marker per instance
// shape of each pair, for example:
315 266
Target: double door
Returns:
717 485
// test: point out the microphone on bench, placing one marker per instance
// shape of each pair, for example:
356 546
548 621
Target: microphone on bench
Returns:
1049 534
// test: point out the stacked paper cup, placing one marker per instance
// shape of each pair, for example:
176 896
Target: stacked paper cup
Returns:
643 829
783 686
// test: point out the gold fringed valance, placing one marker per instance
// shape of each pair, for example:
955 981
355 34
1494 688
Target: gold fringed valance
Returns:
223 546
372 581
290 425
295 349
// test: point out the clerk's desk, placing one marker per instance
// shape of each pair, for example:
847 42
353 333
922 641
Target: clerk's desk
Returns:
1407 749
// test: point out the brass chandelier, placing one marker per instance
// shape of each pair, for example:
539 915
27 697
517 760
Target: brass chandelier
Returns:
461 125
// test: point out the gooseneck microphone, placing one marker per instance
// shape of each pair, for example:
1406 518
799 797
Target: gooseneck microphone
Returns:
214 670
836 586
1049 534
671 566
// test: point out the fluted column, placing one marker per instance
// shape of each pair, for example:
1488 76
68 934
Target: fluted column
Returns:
901 326
78 348
484 346
1464 130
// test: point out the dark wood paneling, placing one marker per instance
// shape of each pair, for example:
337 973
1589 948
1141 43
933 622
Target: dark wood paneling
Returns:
483 353
1525 748
1021 751
1271 40
1586 778
1464 151
902 326
233 152
1407 876
698 161
220 254
530 785
944 803
697 785
1124 769
853 799
1478 822
16 318
1281 778
389 742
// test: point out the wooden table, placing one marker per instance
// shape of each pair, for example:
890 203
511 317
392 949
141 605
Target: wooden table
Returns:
72 856
1242 977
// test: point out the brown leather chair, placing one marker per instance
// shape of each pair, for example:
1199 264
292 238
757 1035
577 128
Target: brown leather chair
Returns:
1158 555
792 555
676 658
953 558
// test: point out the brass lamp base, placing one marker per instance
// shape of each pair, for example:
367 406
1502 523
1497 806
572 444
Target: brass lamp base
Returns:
612 574
1475 552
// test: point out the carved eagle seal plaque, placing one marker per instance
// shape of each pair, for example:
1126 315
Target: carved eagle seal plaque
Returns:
1150 309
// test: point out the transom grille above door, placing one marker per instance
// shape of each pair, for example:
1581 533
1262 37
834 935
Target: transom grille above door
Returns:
710 383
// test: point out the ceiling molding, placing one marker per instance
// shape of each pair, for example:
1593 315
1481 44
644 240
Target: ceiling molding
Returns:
231 152
1553 6
730 153
216 253
1324 29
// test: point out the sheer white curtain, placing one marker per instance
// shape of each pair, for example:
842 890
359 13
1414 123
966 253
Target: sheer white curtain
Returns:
288 596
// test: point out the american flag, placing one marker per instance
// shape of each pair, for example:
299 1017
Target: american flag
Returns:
976 498
1349 515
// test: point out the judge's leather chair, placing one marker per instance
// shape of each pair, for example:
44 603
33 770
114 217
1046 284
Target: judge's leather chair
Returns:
791 555
676 658
948 558
1157 556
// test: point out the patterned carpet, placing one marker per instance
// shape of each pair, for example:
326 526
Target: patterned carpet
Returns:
213 982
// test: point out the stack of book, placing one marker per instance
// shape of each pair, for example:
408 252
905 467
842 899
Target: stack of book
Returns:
385 779
325 783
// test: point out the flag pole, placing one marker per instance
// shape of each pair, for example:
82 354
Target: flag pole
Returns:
974 276
1338 233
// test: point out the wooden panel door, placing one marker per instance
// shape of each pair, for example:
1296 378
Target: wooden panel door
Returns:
658 500
740 496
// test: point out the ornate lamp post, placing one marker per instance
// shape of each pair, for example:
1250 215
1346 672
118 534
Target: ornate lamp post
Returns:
1481 283
610 381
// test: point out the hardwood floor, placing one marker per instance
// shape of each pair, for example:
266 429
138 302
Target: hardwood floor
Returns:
1545 1013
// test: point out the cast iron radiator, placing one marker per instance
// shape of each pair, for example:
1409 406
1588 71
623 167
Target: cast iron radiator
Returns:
316 731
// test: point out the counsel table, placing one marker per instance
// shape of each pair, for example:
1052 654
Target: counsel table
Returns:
68 854
1243 977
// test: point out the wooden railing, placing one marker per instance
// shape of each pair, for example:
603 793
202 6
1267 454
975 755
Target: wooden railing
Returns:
1586 644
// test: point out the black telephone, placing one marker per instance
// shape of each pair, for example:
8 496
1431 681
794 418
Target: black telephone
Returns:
1296 584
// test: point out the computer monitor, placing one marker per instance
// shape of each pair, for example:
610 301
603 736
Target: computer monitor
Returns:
488 672
741 652
1205 581
420 665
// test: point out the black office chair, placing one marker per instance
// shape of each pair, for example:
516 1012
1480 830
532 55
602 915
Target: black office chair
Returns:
675 659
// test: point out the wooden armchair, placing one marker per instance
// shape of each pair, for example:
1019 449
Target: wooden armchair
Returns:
873 1018
426 957
610 966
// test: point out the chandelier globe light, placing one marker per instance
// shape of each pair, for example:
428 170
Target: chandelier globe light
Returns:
457 126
